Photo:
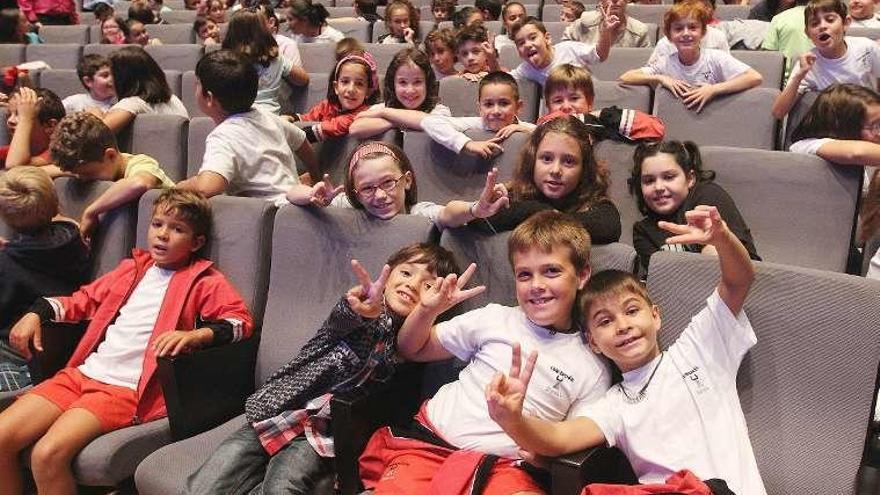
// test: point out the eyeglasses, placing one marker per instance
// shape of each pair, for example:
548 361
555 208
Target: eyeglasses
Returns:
387 185
874 128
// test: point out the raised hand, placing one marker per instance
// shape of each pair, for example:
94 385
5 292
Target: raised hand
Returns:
367 298
449 291
806 61
699 96
505 394
409 35
704 226
324 191
492 199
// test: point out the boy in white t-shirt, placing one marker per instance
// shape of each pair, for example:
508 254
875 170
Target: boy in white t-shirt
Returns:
250 152
862 14
549 255
676 409
93 71
836 58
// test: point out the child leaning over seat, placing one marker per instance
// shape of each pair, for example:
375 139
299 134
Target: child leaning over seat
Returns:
675 409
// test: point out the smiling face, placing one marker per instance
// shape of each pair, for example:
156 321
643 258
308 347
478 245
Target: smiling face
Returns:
409 86
399 21
558 165
137 34
547 285
101 84
686 34
110 29
826 30
569 100
861 9
209 30
351 85
472 55
217 12
665 185
533 46
171 241
623 327
405 285
381 186
498 106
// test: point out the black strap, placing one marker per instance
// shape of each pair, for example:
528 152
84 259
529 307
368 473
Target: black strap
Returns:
481 476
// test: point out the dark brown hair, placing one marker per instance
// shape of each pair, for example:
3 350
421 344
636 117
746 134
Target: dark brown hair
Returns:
411 10
838 113
403 163
189 206
248 34
439 260
80 138
419 59
609 283
686 154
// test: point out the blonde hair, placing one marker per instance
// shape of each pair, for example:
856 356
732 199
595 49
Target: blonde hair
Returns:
28 199
567 76
548 229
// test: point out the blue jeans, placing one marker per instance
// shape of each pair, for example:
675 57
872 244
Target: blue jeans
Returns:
240 465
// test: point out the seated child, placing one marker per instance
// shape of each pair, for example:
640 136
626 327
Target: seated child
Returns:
442 10
85 146
661 422
539 55
571 12
715 36
466 16
862 14
94 74
365 10
440 47
110 381
667 181
411 93
512 13
250 152
32 117
208 31
357 342
476 56
216 10
490 9
836 58
114 31
695 76
549 255
499 104
44 257
138 35
630 32
308 23
402 23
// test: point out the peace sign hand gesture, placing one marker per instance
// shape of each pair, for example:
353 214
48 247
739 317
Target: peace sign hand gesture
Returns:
505 393
367 298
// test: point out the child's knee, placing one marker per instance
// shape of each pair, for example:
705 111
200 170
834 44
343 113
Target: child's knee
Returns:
49 454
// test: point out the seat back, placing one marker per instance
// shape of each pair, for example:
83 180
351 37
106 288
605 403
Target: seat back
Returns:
611 93
807 386
864 32
180 17
801 209
101 49
647 13
797 114
62 82
728 120
11 54
176 57
76 33
170 132
188 95
730 12
318 245
383 53
619 61
299 99
770 64
199 128
317 57
172 34
617 157
60 56
337 12
359 30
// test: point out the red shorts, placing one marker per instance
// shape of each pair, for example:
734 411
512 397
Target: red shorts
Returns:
114 406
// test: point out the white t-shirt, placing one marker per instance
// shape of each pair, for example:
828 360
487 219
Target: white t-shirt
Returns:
567 52
426 209
566 378
269 84
84 101
714 39
439 109
136 105
254 152
449 131
119 359
690 416
871 22
811 147
329 34
503 39
874 273
859 65
289 49
713 67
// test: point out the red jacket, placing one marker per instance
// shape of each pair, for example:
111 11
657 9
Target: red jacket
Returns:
333 121
196 291
30 8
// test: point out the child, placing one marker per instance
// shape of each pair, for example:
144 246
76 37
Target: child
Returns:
138 35
250 152
355 343
629 32
402 23
286 46
33 116
538 55
571 12
248 35
549 256
14 28
347 46
512 13
141 88
94 74
862 14
466 16
114 31
695 76
411 93
355 87
490 9
40 13
208 31
365 10
476 56
557 171
308 23
216 11
141 11
668 180
103 11
443 10
440 47
498 103
836 58
158 7
714 37
84 146
164 301
45 255
662 422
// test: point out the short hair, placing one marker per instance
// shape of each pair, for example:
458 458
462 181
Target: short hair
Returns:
568 76
444 37
460 17
28 199
440 261
89 65
313 13
141 12
474 32
9 26
199 23
49 106
80 138
366 6
411 11
815 7
348 46
689 8
528 21
103 10
492 7
447 5
419 59
402 161
686 154
577 8
247 33
231 78
188 206
136 73
498 77
610 283
548 229
838 113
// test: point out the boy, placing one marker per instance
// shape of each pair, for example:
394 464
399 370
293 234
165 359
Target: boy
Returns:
33 116
713 37
208 31
164 301
667 414
440 47
489 9
498 104
44 257
862 14
836 58
571 12
94 74
549 256
629 32
442 10
539 55
476 56
250 152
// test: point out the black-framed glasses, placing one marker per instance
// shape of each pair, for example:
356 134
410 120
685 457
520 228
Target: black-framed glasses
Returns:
387 185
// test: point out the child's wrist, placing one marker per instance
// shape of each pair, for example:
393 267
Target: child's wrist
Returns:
472 209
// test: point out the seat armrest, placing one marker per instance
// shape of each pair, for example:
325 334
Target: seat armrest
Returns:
570 473
207 387
59 342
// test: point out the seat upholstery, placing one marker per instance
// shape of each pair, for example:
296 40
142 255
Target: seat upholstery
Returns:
59 56
176 57
770 64
618 158
172 34
619 61
611 93
796 115
11 54
317 57
77 33
169 130
360 30
199 128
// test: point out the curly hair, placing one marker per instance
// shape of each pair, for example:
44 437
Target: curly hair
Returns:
80 138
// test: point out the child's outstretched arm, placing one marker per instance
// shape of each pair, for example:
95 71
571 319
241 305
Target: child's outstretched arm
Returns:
371 122
449 132
20 145
640 77
789 96
505 395
417 340
850 152
705 226
121 192
321 194
697 97
493 198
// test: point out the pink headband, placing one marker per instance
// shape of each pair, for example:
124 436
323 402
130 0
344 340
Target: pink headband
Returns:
367 59
366 149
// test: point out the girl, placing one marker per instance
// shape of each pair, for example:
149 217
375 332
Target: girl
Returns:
355 86
249 35
442 10
208 31
14 28
558 171
138 35
308 23
667 180
695 76
141 88
402 23
513 12
216 11
381 181
114 31
411 92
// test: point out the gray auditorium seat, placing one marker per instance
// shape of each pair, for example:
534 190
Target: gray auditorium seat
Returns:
619 61
796 115
334 153
63 82
770 64
647 13
11 54
317 57
383 53
199 128
77 33
618 158
338 12
164 138
176 57
359 30
300 99
180 17
174 81
188 95
611 93
730 12
172 34
863 32
101 49
555 29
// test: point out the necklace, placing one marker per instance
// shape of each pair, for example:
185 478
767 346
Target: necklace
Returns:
641 395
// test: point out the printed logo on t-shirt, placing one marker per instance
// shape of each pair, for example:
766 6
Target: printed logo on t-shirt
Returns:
695 380
556 388
864 60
